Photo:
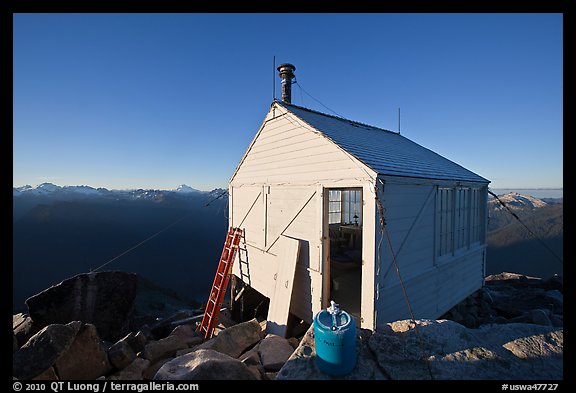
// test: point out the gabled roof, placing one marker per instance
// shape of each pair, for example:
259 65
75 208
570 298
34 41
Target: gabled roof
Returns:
386 152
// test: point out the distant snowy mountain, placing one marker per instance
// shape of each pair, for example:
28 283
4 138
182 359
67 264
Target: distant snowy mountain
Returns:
41 189
85 190
516 201
27 197
53 191
521 205
183 188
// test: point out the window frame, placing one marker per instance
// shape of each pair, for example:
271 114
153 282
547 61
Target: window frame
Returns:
460 221
334 202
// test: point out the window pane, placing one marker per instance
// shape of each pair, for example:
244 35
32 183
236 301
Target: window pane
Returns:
351 207
444 215
462 212
334 207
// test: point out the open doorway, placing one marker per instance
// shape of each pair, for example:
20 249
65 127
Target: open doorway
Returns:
345 248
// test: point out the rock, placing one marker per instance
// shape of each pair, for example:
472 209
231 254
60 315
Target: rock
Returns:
549 344
121 354
204 364
468 363
133 372
153 368
263 326
294 342
557 320
18 319
486 296
541 355
302 363
258 372
469 321
524 318
251 357
14 343
163 328
235 339
401 355
185 351
500 320
540 317
554 282
481 353
86 358
556 296
188 335
137 341
274 352
23 328
454 315
224 321
271 376
48 375
43 350
103 299
163 348
505 276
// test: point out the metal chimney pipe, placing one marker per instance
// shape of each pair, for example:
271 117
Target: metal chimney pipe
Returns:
287 74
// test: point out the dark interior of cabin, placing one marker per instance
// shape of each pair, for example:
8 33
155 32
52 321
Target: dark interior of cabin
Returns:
345 231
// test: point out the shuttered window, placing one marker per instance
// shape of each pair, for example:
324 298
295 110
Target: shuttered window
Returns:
462 218
444 211
459 219
476 216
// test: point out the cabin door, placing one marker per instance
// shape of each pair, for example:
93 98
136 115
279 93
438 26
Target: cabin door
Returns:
343 248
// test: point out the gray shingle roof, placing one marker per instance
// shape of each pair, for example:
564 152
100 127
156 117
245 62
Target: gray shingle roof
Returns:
386 152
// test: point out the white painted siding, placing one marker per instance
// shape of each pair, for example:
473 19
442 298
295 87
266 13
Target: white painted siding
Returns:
409 214
432 289
288 151
290 211
432 292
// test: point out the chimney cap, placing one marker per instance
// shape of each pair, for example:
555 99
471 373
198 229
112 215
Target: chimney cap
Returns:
286 65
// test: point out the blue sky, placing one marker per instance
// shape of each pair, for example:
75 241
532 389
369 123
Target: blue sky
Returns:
157 100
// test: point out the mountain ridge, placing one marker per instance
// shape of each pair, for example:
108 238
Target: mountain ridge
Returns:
51 188
511 247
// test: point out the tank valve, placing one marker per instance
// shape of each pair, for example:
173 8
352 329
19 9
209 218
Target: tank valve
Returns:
334 311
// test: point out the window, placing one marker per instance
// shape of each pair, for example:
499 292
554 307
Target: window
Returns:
444 217
459 219
345 207
334 207
476 216
461 213
351 207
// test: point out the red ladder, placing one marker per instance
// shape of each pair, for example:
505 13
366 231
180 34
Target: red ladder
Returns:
210 318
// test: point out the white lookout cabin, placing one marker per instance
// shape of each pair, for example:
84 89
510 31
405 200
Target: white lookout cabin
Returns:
331 206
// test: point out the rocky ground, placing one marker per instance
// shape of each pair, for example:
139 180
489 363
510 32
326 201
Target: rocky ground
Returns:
443 350
512 298
86 328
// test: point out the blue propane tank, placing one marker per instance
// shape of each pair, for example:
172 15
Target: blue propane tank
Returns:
335 339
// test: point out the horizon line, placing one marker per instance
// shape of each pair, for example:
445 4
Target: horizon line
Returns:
184 184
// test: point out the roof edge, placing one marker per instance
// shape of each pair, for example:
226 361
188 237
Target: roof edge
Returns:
285 104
